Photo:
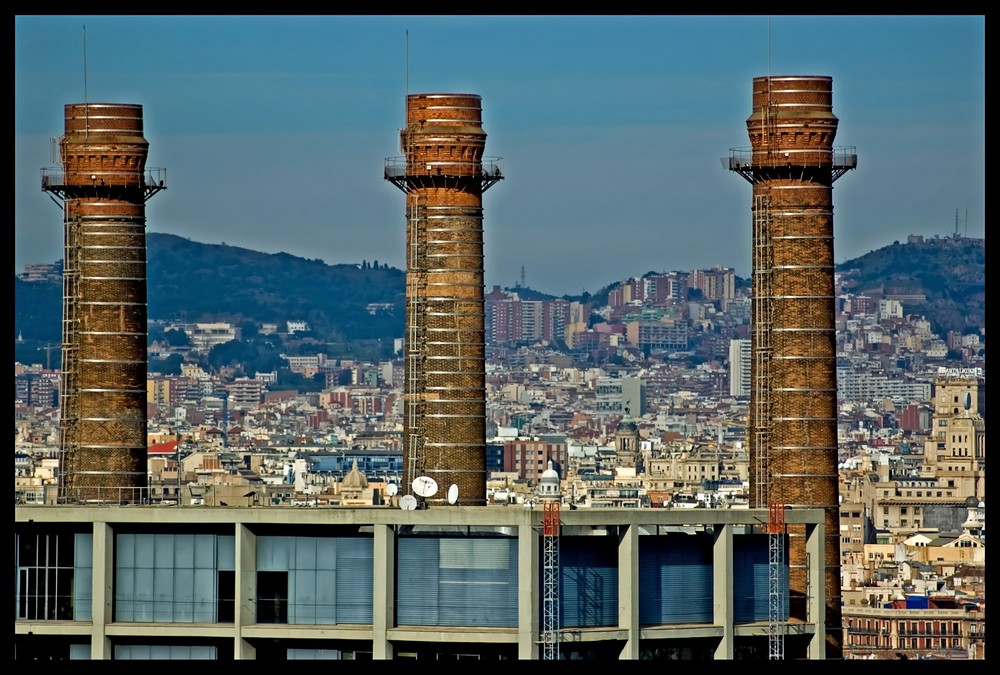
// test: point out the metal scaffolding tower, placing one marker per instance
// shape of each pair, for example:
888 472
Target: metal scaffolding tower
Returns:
762 308
550 581
775 585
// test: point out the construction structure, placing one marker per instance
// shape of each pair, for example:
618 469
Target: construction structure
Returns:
444 174
792 426
103 186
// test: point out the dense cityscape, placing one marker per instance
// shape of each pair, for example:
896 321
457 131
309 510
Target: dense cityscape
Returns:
621 413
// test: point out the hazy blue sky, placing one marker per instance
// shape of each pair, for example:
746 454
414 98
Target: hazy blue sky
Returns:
274 130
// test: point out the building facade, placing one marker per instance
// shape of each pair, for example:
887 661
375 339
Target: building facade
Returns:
382 583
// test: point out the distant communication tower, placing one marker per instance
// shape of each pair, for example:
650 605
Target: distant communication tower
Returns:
444 174
103 184
792 428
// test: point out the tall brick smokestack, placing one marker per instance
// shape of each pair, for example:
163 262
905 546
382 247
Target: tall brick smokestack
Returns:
104 185
444 174
792 429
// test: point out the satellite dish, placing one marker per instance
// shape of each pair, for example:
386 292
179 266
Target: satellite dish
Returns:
453 494
425 486
391 489
408 503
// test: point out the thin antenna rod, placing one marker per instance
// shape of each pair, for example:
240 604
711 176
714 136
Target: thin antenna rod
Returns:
86 108
85 63
407 62
769 49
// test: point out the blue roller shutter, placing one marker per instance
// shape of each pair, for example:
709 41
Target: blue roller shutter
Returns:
675 579
355 580
751 587
456 581
588 582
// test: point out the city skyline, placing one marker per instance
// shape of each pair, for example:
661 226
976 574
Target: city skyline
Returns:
610 129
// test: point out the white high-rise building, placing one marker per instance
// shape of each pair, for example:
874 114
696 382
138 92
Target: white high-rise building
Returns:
739 367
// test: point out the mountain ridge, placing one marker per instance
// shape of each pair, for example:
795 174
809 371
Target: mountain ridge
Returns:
188 281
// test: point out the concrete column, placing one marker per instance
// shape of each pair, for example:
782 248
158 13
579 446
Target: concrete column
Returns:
816 571
722 589
384 594
246 590
528 585
628 590
103 561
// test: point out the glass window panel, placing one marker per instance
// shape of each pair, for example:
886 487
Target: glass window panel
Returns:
303 596
83 594
202 652
144 546
163 590
203 612
305 553
84 545
183 585
79 652
326 553
124 596
164 548
272 554
226 552
124 610
184 612
326 596
124 584
204 585
303 586
143 595
204 551
125 550
326 586
160 652
131 652
184 551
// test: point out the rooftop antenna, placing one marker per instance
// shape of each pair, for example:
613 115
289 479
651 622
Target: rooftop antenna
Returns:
522 276
966 221
956 223
407 75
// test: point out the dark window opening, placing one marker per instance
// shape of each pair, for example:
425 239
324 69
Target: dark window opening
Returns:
272 597
226 596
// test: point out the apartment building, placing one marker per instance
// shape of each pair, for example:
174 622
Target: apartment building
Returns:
739 368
